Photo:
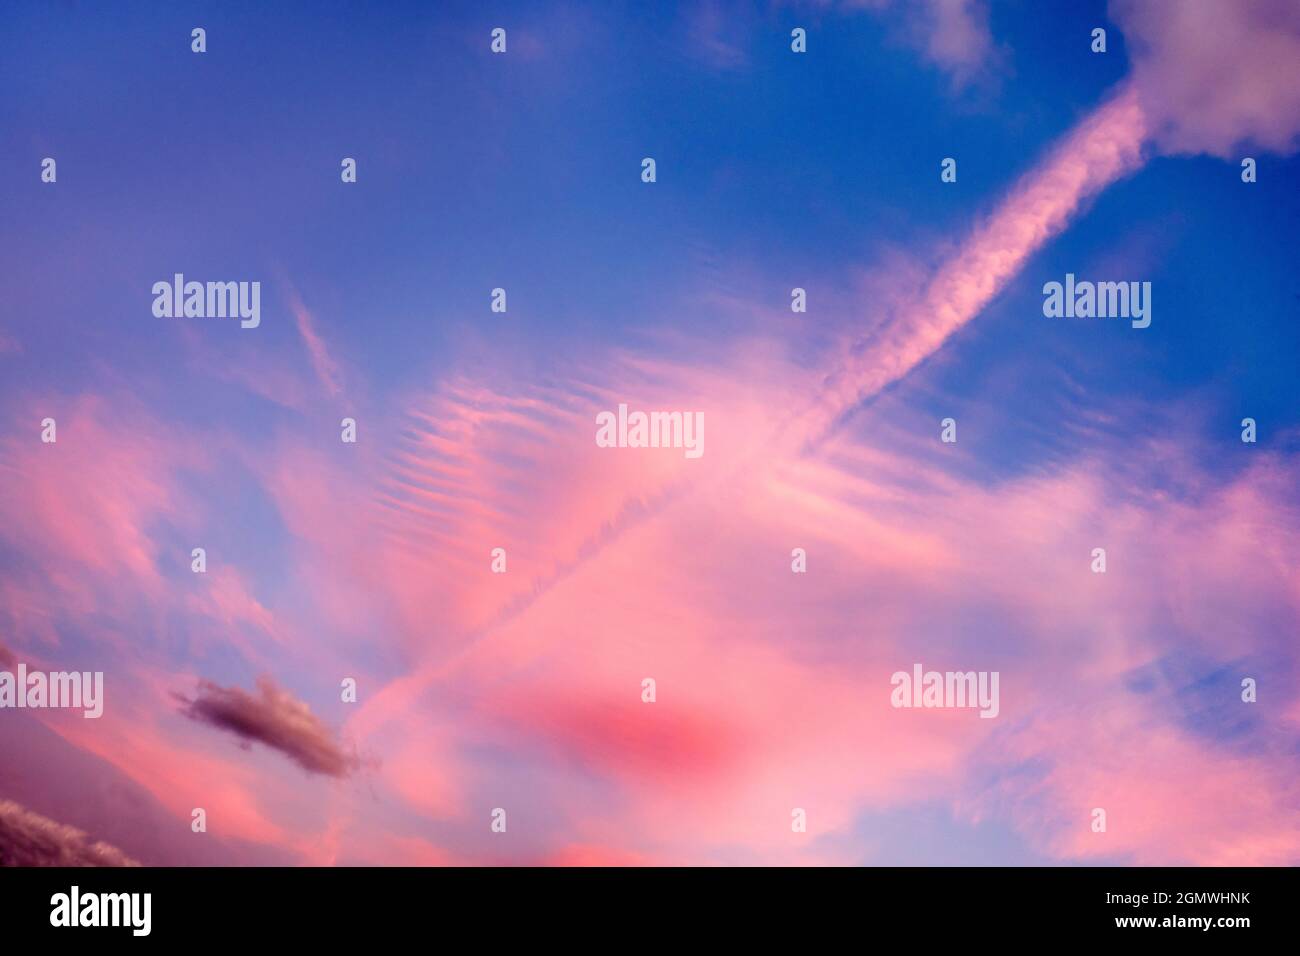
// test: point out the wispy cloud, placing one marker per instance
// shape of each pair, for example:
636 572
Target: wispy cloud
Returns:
327 370
1216 77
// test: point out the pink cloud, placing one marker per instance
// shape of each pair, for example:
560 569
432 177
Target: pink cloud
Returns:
773 688
1216 77
1168 800
327 370
953 35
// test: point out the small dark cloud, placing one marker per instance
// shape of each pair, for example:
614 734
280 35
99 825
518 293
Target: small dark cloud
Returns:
29 839
275 718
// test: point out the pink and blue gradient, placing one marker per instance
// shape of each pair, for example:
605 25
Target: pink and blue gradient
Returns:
476 430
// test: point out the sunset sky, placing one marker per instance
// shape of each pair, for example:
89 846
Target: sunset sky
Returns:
475 430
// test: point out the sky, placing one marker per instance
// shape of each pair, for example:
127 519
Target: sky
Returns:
501 717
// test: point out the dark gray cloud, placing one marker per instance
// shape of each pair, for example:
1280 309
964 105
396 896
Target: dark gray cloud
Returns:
275 718
29 839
